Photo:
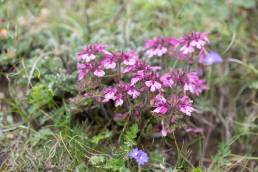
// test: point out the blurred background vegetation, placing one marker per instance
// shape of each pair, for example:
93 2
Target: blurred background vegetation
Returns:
44 128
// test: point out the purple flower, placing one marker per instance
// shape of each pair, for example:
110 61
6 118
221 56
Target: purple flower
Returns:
139 155
130 58
87 60
162 109
185 105
212 58
167 80
159 46
161 105
192 41
87 57
139 76
109 94
134 153
133 92
118 100
194 84
153 85
99 73
109 62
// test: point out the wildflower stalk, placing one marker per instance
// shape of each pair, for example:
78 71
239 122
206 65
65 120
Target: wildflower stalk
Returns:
139 168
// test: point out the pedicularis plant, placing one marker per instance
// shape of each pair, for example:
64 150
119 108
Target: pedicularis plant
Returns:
140 83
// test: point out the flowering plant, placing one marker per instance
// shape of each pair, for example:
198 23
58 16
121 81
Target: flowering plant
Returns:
137 83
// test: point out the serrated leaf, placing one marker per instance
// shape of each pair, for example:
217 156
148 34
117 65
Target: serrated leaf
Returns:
101 136
131 135
97 159
40 96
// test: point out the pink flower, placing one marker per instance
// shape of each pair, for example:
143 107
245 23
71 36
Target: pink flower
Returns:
138 66
87 57
130 58
153 85
185 105
86 60
161 105
160 99
159 46
133 92
199 39
118 100
114 94
167 80
90 51
99 73
139 76
109 94
194 84
82 74
187 49
161 110
164 131
195 130
83 70
109 62
193 40
159 51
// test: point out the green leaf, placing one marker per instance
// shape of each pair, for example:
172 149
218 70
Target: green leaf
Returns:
101 136
115 164
81 167
43 134
97 159
131 135
40 96
197 169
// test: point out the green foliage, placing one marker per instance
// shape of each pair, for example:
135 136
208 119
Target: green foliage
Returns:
97 160
254 85
107 163
156 157
41 96
220 158
41 135
198 169
130 138
115 165
118 160
245 4
101 136
131 135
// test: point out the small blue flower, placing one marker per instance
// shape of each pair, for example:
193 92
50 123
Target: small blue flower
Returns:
212 58
134 153
139 155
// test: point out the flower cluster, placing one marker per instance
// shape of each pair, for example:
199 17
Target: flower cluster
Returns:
139 155
183 48
159 46
138 85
